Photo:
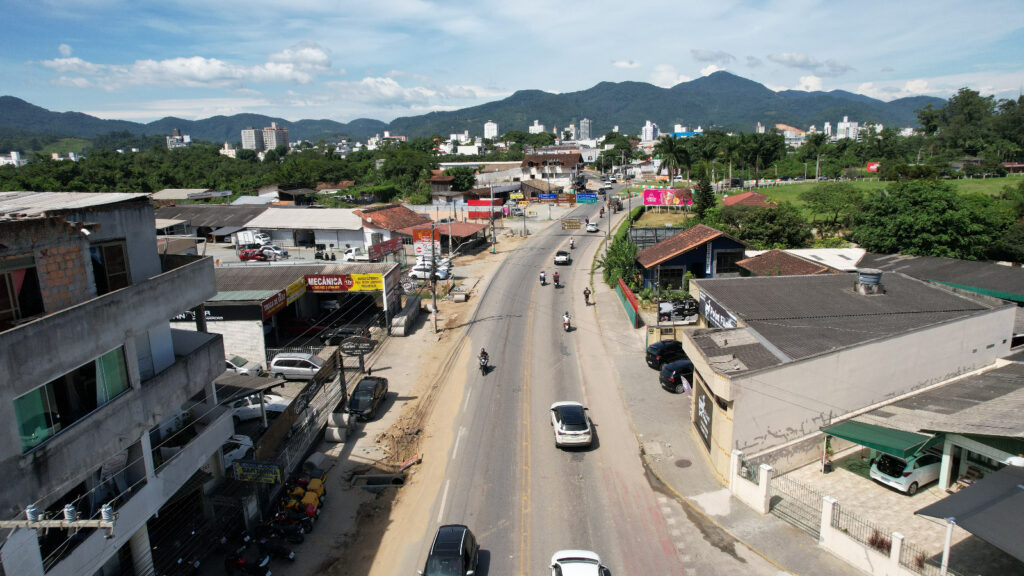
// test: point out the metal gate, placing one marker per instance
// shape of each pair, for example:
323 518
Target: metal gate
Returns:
796 504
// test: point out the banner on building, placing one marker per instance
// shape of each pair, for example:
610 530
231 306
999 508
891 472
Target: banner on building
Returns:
873 166
381 249
224 313
421 241
253 471
715 314
704 415
272 305
333 283
295 290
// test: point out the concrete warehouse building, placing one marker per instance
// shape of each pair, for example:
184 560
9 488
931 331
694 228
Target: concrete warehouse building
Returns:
777 358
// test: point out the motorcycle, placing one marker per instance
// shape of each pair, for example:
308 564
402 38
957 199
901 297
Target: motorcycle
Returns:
556 280
275 548
543 279
483 365
567 322
572 244
247 560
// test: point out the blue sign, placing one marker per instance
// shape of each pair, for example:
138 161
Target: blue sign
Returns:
547 196
586 198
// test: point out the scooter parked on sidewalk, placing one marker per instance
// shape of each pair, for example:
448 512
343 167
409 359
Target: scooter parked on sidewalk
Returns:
275 549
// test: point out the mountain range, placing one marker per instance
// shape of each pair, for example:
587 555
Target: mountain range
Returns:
720 100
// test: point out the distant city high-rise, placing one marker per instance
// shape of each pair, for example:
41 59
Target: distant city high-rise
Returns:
490 130
847 129
585 129
649 132
252 139
274 136
828 128
178 140
760 128
537 127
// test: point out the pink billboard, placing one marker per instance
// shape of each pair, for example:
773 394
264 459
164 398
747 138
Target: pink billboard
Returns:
668 197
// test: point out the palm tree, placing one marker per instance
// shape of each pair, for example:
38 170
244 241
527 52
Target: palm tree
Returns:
707 150
673 155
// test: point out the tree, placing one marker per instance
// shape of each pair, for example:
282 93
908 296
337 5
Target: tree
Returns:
783 226
620 261
246 155
835 200
929 218
704 199
464 176
673 155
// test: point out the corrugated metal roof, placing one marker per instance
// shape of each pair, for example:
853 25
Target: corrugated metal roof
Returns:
162 223
210 215
307 219
1005 282
33 204
242 295
177 193
804 316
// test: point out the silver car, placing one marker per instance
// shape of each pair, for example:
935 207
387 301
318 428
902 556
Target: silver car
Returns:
295 365
242 366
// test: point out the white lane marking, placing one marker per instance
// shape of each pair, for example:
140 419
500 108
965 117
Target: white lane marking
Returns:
458 439
440 511
466 403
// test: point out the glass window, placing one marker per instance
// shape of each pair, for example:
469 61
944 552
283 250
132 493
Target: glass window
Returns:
20 295
725 262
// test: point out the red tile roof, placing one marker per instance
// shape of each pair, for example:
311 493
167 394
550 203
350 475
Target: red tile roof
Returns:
683 242
392 217
455 229
748 199
780 263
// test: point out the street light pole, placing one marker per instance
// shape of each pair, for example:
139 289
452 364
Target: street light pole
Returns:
433 274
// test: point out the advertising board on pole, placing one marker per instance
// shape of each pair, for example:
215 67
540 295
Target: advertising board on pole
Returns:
668 197
421 241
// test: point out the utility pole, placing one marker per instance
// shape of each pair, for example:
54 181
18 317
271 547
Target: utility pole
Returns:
433 274
492 219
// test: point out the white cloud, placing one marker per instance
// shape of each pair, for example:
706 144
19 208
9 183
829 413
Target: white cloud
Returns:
73 65
809 83
625 63
710 69
714 56
666 76
388 91
64 50
305 56
916 86
804 62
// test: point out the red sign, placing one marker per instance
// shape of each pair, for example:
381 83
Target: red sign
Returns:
873 166
271 305
381 249
328 282
423 235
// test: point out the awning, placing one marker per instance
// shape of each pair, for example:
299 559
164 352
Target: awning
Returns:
226 231
231 385
895 442
989 509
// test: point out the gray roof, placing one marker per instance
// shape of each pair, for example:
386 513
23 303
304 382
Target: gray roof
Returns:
733 350
279 276
36 204
307 219
987 404
210 215
1005 282
803 316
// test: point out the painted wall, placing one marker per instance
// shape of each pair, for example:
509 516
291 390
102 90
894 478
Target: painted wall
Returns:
340 238
782 404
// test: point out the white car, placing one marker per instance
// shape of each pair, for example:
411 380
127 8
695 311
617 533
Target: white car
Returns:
237 447
577 563
906 475
571 424
248 408
563 257
240 365
592 227
422 272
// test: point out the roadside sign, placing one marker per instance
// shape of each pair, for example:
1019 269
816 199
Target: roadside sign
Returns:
524 202
357 346
570 223
253 471
586 198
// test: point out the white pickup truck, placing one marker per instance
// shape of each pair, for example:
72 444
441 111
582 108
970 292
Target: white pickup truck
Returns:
355 255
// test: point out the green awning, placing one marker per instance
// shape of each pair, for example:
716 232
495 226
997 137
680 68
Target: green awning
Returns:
896 442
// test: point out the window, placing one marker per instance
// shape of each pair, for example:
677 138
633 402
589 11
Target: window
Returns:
20 295
725 262
47 410
110 267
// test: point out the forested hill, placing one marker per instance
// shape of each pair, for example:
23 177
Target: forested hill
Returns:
721 100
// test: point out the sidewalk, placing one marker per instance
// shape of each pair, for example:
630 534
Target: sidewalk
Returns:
677 459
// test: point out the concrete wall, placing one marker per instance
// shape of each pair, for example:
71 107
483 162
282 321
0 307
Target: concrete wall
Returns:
242 337
777 405
500 177
132 223
340 238
61 257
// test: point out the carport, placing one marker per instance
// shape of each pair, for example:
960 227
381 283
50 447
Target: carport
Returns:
897 443
230 387
989 510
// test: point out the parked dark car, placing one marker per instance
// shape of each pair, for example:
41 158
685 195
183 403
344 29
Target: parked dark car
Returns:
673 374
334 336
367 396
453 553
663 352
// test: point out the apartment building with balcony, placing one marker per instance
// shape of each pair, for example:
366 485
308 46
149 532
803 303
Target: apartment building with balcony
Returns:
102 401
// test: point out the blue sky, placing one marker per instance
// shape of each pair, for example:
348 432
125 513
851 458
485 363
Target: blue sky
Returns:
381 59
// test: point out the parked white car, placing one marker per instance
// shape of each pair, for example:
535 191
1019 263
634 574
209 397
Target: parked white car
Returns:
242 366
422 272
295 365
274 252
248 408
906 475
577 563
236 448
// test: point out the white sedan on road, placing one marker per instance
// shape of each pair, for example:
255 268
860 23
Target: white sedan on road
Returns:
562 257
571 424
592 227
577 563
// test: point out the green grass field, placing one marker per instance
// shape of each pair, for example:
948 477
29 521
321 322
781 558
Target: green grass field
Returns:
63 146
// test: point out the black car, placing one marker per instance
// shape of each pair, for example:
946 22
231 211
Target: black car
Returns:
367 396
334 336
453 553
663 352
673 374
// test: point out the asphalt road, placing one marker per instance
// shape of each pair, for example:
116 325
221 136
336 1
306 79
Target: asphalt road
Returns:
524 498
